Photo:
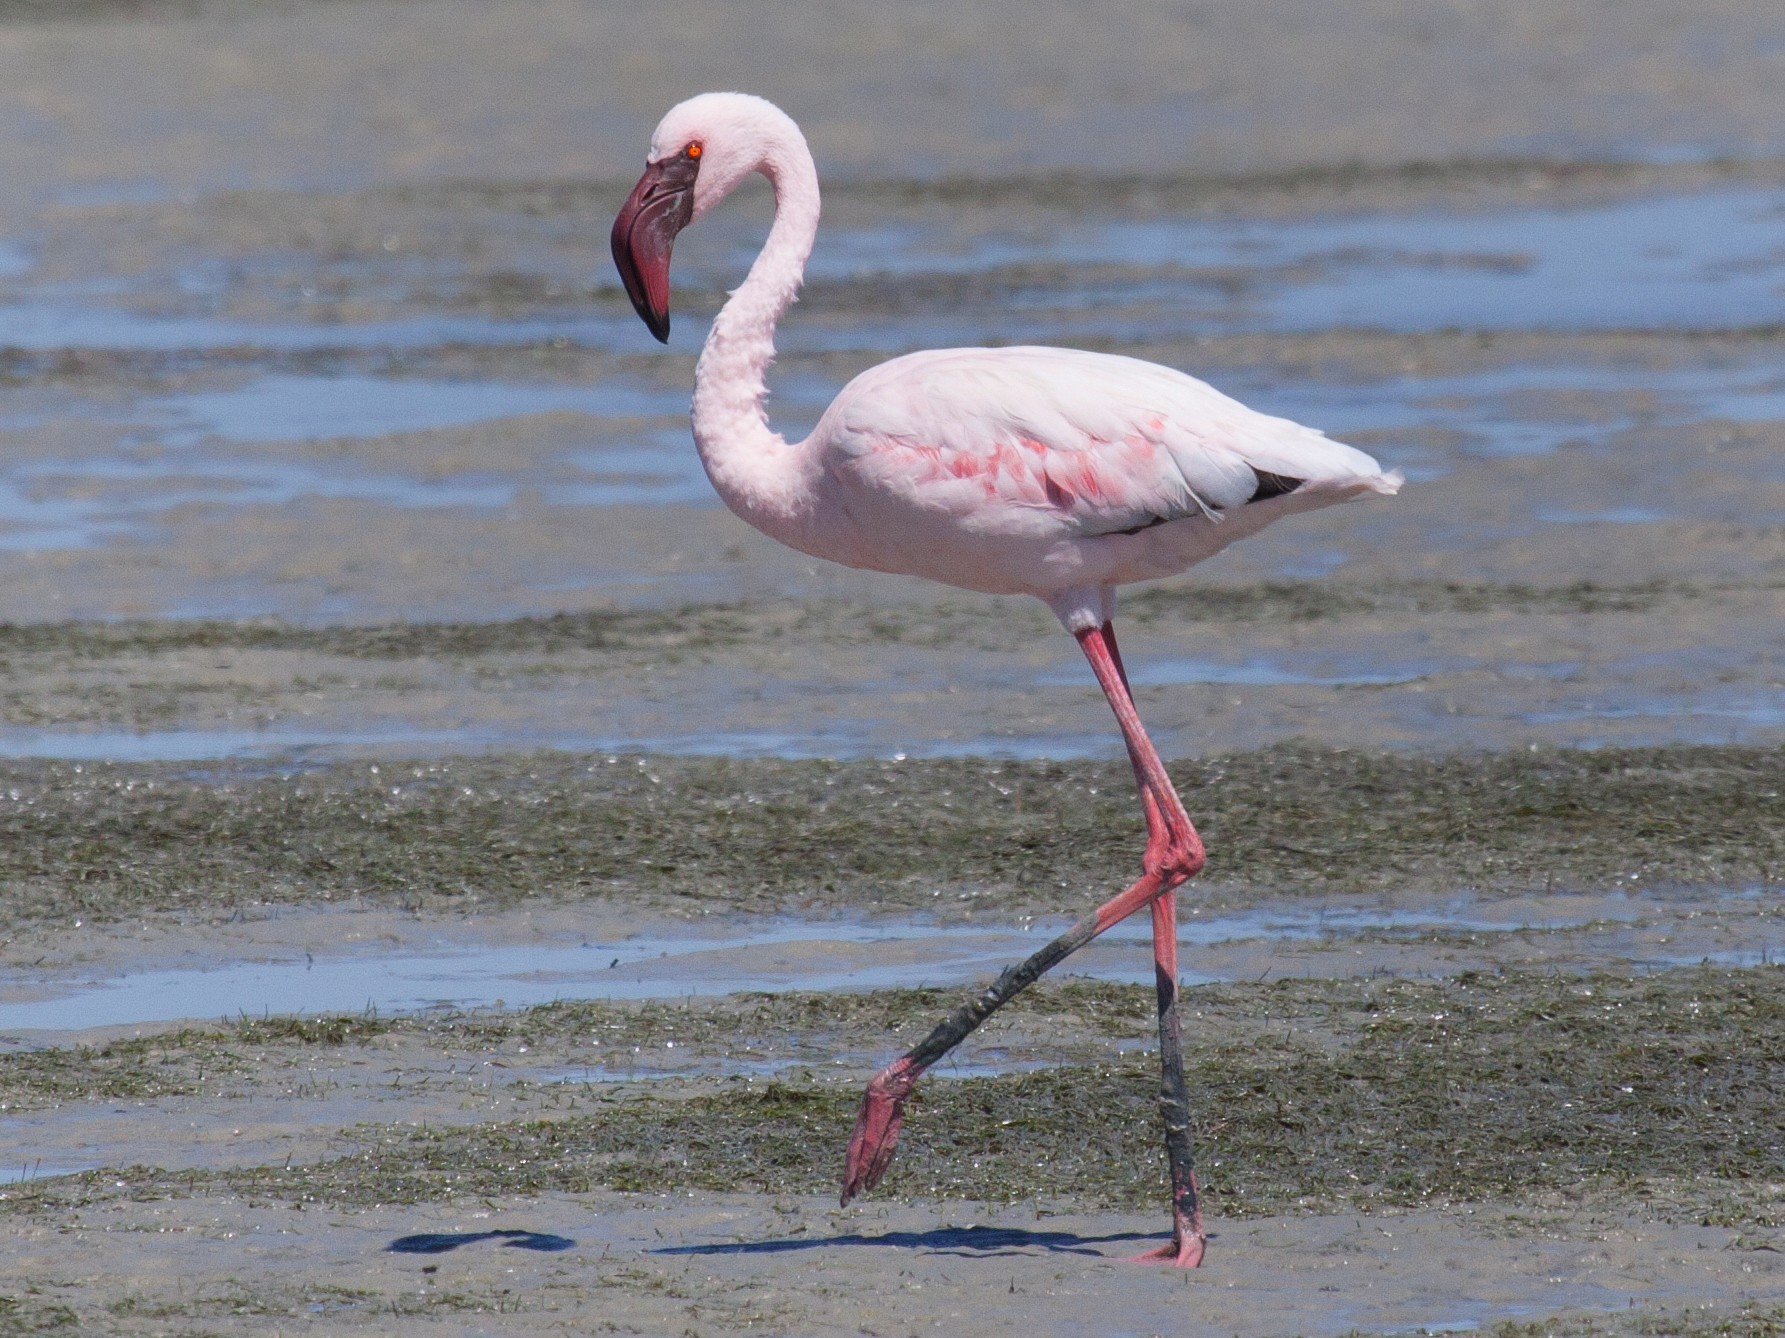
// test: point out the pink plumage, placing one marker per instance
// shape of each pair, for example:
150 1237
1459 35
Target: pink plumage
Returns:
1043 471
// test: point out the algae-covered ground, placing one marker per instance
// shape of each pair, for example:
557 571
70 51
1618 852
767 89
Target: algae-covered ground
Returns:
1612 1126
1311 1096
109 841
1603 1116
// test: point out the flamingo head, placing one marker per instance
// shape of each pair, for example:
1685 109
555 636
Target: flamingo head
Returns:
699 153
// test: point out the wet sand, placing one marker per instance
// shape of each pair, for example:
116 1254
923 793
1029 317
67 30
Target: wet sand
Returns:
1426 665
246 93
735 1263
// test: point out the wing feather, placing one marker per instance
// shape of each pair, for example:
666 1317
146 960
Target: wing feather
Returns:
1084 443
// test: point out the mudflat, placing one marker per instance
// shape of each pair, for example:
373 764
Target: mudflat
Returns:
455 878
1505 1058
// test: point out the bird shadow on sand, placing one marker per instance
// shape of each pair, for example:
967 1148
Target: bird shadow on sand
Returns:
440 1242
972 1242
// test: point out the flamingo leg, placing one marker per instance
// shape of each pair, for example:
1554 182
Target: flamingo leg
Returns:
1174 855
1187 1237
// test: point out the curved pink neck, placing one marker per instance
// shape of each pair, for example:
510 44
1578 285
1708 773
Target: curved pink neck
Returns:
761 477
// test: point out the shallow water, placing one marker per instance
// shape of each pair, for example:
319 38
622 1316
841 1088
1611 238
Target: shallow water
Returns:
64 324
278 743
25 1172
301 408
1701 260
1698 261
1526 409
987 1062
831 954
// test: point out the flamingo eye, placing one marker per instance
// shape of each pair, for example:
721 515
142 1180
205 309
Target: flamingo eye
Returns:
693 150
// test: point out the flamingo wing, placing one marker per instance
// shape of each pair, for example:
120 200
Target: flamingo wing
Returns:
1079 443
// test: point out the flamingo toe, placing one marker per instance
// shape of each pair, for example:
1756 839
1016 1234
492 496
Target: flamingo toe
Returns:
876 1134
1183 1251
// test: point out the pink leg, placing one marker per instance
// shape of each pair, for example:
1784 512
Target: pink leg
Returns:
1174 854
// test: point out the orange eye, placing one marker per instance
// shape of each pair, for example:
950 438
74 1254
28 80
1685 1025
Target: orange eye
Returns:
693 150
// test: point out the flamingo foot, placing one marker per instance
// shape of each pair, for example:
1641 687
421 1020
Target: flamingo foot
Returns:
877 1127
1184 1251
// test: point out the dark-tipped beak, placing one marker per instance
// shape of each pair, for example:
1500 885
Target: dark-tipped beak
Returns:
645 232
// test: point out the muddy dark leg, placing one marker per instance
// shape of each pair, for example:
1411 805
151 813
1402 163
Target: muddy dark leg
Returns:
876 1133
1187 1242
1187 1238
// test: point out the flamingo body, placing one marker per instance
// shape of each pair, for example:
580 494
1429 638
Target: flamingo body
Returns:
1040 471
1043 471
